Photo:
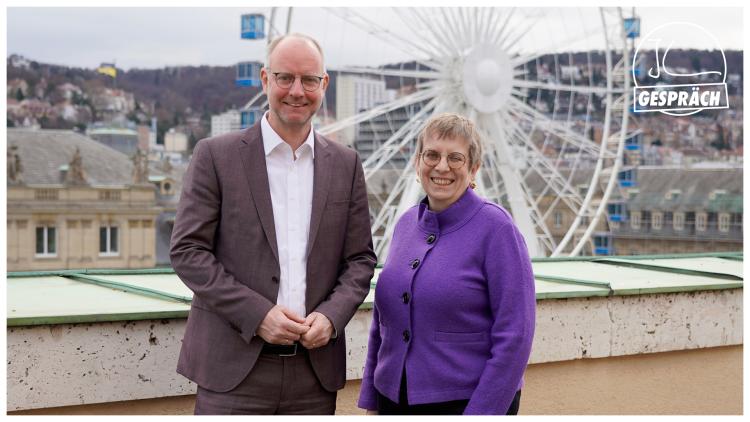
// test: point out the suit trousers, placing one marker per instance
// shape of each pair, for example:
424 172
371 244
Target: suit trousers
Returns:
277 385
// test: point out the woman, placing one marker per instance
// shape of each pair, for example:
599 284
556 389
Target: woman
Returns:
454 307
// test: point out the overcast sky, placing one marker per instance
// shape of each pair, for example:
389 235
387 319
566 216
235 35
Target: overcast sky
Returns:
156 37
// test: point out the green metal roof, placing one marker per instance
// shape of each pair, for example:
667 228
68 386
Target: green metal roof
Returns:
80 296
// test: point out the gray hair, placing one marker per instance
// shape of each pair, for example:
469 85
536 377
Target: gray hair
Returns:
452 125
275 42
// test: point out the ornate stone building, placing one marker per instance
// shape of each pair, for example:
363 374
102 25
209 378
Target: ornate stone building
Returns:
679 210
75 203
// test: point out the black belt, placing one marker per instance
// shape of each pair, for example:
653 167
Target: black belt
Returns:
282 349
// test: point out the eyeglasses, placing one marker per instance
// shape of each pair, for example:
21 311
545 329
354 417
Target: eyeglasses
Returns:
432 158
286 80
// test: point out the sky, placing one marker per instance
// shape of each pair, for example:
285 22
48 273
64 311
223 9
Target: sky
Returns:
153 37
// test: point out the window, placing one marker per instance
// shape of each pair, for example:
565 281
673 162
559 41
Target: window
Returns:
558 219
679 220
45 194
646 219
109 195
668 218
108 240
656 220
673 194
635 220
724 222
700 221
46 241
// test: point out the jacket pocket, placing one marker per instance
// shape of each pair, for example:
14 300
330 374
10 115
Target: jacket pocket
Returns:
447 337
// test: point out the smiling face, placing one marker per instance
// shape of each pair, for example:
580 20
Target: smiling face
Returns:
443 184
292 109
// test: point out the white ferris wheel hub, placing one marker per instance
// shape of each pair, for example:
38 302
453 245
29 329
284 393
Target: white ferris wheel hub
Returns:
487 78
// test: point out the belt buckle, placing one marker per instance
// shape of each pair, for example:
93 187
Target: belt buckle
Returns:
290 355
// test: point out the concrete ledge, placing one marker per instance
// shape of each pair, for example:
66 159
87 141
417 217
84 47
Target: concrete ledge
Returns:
77 364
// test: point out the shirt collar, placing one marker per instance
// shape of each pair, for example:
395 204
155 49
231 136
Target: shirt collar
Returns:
271 139
452 217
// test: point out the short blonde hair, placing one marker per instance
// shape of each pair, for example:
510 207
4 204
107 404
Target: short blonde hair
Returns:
452 125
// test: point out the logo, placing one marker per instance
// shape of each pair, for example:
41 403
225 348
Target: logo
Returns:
669 86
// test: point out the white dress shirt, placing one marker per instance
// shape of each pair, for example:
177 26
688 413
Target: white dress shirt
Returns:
291 183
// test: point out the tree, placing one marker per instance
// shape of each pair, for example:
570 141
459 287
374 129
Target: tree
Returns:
19 95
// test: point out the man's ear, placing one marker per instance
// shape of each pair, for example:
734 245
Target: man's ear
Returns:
264 78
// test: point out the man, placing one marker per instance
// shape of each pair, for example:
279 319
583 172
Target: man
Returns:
272 235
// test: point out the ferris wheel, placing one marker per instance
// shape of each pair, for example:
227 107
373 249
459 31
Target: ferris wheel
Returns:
548 115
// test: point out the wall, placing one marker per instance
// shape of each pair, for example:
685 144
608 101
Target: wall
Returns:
690 382
73 364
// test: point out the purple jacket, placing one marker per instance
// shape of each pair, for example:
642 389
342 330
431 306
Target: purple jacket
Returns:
455 304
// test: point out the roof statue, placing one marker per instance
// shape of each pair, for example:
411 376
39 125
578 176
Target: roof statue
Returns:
166 165
140 168
75 174
15 169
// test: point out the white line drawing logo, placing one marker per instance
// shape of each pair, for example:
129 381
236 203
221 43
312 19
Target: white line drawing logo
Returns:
673 91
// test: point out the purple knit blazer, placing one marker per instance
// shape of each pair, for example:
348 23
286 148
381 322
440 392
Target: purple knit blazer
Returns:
455 306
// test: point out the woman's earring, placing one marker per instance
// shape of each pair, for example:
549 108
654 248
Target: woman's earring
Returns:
473 184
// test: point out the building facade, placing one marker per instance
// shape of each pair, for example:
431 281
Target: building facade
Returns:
353 95
679 210
73 203
225 122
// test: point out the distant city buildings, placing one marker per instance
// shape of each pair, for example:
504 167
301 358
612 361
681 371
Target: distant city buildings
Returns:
355 94
226 122
175 141
123 139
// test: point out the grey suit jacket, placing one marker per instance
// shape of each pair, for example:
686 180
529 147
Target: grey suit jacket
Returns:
224 249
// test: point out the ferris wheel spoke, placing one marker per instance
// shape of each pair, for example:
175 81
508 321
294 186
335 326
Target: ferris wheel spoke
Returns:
376 111
526 112
482 16
423 32
541 164
404 73
579 89
414 49
450 29
495 160
435 39
398 141
258 100
440 33
500 30
465 20
492 24
512 39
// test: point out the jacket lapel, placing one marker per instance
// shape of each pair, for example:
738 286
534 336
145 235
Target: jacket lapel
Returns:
254 161
322 175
